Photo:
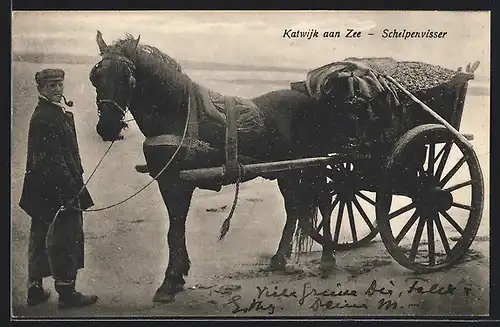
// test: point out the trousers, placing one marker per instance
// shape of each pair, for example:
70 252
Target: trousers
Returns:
56 249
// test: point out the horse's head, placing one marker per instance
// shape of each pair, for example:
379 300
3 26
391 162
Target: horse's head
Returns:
114 81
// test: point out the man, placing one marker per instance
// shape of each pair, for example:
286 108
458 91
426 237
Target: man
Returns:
53 187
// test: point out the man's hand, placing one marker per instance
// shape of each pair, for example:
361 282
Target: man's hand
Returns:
67 206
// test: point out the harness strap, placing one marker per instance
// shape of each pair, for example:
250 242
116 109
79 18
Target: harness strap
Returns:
115 56
193 118
173 140
232 169
208 106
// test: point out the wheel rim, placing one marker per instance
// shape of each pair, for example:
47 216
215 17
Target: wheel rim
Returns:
438 222
346 210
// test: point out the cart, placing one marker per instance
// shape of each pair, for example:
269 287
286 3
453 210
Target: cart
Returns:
419 169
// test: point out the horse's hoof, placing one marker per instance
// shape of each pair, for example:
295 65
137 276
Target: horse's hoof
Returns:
166 293
174 289
163 297
278 263
328 265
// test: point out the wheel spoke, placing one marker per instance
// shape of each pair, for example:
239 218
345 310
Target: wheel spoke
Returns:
363 213
430 241
351 222
402 210
458 186
461 206
367 199
430 164
442 234
339 222
320 226
446 152
452 222
327 216
416 239
331 207
334 203
407 227
452 172
439 153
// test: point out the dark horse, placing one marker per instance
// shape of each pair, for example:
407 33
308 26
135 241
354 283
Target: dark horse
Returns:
156 91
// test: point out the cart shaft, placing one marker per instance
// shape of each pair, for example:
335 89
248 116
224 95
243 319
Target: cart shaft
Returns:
260 168
430 111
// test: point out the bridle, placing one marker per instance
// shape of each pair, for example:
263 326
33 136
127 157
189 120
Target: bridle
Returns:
115 105
155 178
130 67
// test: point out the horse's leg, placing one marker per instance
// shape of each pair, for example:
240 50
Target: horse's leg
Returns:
328 261
318 185
286 186
177 197
307 210
301 203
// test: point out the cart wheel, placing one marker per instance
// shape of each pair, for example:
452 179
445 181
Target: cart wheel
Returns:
349 206
445 196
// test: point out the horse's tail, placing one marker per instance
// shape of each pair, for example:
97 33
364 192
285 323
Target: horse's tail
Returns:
302 242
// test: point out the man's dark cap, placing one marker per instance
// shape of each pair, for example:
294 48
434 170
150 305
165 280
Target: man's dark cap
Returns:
49 74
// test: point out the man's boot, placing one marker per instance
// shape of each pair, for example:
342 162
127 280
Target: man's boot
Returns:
70 298
36 293
142 169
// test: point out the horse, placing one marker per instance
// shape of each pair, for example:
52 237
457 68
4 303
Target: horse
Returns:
159 95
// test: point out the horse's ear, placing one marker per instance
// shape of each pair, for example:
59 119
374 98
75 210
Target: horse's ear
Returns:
134 44
100 42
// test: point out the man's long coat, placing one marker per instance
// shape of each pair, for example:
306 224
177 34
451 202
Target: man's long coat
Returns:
54 172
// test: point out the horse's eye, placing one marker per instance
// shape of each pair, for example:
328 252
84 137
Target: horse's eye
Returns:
94 75
94 78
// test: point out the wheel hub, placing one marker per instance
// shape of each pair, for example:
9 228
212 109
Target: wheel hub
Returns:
344 181
435 198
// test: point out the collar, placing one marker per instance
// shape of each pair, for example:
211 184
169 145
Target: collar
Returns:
58 104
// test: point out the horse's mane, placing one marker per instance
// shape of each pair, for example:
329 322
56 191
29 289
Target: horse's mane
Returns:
147 54
161 77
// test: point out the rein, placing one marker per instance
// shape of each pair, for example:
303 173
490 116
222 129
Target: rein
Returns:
130 67
226 223
62 208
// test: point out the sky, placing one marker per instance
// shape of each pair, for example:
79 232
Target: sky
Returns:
256 37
